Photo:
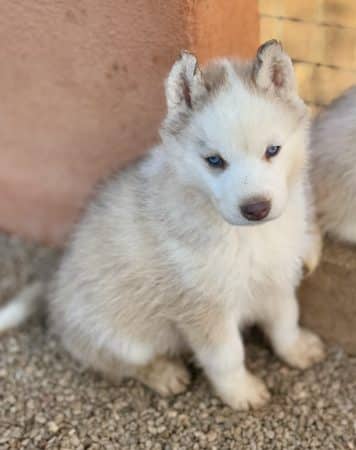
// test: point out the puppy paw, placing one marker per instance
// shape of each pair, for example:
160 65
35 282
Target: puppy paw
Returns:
247 392
167 376
307 350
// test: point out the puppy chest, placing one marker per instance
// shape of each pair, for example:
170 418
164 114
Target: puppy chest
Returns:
258 261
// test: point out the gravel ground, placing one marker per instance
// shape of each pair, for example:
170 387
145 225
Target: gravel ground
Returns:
48 402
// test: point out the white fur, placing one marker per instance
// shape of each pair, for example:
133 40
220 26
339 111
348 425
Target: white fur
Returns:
21 307
237 138
334 166
163 262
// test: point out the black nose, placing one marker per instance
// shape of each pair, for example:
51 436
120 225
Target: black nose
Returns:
256 210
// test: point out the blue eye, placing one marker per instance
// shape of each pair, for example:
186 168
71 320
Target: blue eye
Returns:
272 150
216 161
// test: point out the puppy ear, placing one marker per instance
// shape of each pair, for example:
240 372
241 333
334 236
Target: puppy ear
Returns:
273 70
185 84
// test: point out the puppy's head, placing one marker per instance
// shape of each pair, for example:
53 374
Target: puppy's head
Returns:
236 131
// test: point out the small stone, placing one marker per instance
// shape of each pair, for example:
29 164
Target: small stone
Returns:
40 419
52 427
211 436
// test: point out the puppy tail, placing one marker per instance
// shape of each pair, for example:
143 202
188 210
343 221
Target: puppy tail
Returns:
22 306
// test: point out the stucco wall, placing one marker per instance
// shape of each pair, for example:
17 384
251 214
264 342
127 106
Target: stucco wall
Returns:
81 92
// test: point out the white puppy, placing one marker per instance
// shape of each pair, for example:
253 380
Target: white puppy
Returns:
207 234
333 153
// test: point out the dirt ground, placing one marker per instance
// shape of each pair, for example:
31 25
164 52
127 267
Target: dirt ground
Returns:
48 402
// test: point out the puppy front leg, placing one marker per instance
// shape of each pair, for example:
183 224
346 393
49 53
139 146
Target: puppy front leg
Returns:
297 346
218 347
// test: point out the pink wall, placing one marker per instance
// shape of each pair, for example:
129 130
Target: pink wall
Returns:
81 92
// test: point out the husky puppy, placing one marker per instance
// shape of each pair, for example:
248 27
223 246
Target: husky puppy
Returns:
333 168
207 234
